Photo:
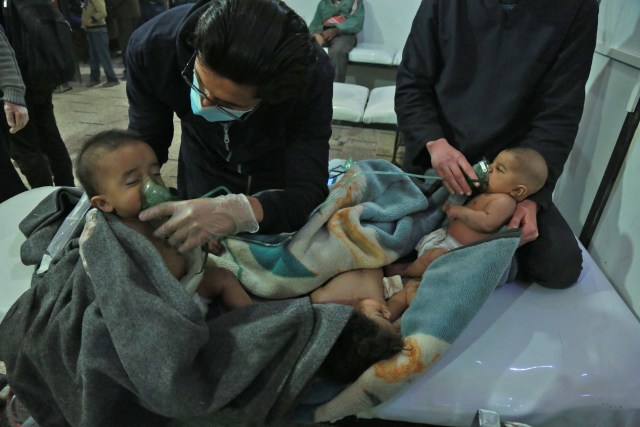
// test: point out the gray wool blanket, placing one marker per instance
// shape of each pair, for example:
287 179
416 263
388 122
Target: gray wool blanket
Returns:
118 342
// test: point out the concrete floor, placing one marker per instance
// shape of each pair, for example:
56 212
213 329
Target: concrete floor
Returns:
82 112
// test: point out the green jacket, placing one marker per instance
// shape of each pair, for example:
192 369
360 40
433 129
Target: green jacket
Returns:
327 8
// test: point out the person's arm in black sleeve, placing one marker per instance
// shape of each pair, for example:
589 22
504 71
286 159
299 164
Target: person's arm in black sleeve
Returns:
307 159
415 101
149 117
559 100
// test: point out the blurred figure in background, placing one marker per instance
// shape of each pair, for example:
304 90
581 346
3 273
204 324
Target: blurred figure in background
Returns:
335 26
38 149
17 117
125 14
72 11
94 13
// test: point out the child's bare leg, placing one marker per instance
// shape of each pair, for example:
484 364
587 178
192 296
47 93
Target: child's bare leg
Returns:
222 282
395 269
350 285
417 267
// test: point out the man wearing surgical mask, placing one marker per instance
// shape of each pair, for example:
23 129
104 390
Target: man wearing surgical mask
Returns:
253 92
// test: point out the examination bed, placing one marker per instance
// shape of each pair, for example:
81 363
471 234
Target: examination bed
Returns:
538 356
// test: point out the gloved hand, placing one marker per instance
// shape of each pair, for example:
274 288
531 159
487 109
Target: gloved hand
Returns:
17 116
198 221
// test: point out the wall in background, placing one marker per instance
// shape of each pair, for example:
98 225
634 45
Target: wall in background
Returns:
612 92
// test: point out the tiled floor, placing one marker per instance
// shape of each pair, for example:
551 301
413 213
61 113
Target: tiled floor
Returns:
82 112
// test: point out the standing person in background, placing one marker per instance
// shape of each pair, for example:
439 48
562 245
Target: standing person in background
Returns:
125 14
94 24
335 25
16 114
479 77
38 149
253 92
151 8
72 12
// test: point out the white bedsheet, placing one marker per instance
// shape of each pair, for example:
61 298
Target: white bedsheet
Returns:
539 356
14 276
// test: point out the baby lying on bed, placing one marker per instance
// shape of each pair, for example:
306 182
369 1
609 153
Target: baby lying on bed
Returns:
380 298
514 175
112 167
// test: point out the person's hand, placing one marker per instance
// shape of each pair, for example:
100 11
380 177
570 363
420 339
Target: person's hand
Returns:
451 165
199 221
329 34
525 217
17 116
319 39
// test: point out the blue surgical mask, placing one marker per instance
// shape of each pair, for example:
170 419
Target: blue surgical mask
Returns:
212 113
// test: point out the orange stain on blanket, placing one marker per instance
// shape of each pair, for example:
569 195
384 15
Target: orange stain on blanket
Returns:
350 232
394 370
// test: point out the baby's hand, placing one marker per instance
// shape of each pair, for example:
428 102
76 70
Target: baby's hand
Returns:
451 210
215 247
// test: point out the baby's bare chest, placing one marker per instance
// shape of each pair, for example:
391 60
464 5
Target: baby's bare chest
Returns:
480 201
175 262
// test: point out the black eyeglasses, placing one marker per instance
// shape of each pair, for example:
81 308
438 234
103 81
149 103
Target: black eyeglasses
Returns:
189 81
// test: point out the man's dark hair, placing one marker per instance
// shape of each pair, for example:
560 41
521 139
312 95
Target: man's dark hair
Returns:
93 149
261 43
361 344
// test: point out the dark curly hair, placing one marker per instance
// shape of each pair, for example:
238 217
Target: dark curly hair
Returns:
361 344
261 43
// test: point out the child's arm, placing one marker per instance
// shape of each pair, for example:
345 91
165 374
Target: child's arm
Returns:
400 301
417 267
222 282
495 213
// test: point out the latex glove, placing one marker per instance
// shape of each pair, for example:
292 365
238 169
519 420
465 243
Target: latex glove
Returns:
525 217
451 165
199 221
17 116
319 39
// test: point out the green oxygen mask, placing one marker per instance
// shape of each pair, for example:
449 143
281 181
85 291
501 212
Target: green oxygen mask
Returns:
482 170
153 192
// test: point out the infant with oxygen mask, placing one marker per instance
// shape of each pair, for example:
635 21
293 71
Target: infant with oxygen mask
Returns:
121 176
515 174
